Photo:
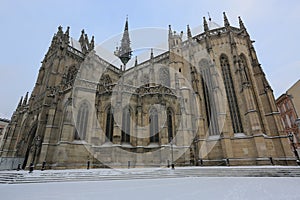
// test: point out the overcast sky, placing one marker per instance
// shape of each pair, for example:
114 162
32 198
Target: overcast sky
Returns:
27 28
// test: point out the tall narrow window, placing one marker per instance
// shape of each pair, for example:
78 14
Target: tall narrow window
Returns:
81 122
126 125
209 100
170 124
154 135
231 96
109 125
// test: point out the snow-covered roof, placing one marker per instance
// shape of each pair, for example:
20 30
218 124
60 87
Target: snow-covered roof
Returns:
75 44
213 25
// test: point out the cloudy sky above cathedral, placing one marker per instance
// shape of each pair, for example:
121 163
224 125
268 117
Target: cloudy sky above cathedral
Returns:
28 27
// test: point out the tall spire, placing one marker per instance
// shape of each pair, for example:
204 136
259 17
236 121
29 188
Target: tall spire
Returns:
124 52
189 33
226 22
205 24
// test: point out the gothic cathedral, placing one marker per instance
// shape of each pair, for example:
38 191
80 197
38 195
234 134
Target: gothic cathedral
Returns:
204 101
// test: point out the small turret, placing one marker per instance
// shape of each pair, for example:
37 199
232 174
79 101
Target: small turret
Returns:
226 22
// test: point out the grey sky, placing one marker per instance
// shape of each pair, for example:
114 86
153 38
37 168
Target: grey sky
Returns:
27 28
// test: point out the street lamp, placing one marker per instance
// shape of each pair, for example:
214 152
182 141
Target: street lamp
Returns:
172 154
291 138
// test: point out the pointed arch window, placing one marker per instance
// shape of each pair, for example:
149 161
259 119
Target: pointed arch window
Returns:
109 125
126 119
209 100
82 122
231 95
153 119
170 124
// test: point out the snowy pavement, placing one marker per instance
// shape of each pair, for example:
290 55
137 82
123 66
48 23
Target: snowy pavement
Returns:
176 188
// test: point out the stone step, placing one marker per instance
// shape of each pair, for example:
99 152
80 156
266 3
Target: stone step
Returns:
102 175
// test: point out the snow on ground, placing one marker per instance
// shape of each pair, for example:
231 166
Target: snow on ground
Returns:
172 188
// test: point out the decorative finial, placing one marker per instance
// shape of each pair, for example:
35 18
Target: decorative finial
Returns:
151 54
242 26
92 44
136 61
205 24
189 33
25 99
60 32
67 31
226 22
170 30
20 102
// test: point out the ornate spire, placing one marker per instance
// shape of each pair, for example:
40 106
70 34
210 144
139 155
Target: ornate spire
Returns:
25 99
124 52
242 26
205 24
226 22
189 33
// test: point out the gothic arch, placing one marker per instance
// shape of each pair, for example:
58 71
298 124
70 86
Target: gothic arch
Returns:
28 143
126 124
153 123
105 79
109 125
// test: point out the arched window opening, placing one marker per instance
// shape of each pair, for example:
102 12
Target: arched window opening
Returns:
82 122
231 96
154 135
126 118
209 100
109 125
170 124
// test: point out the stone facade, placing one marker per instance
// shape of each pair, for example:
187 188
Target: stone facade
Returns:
205 101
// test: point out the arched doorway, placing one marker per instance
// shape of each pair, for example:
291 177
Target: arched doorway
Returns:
28 144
